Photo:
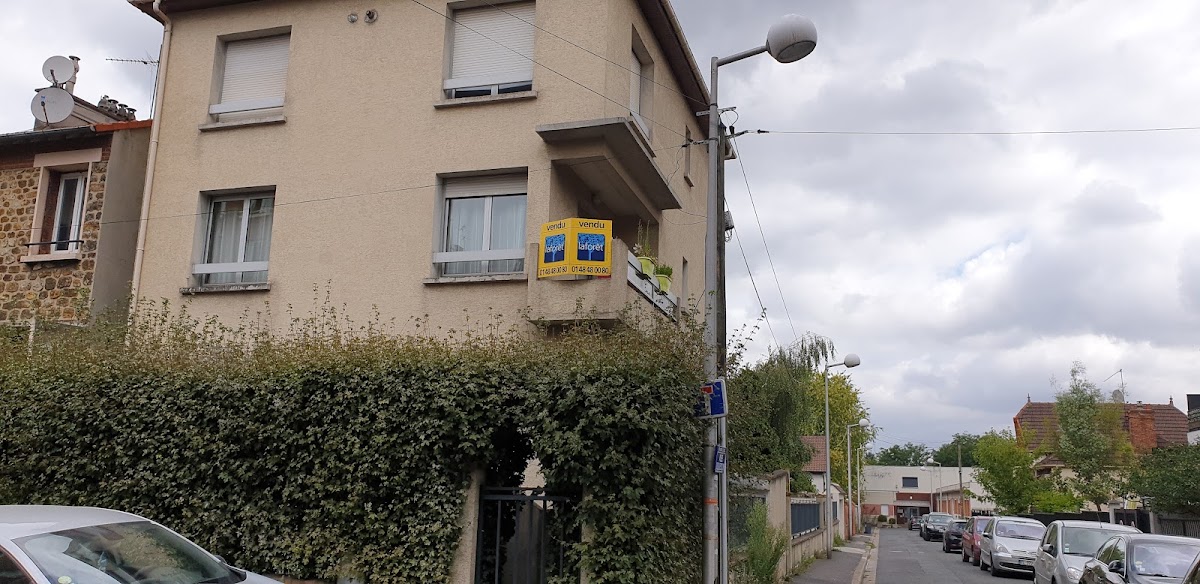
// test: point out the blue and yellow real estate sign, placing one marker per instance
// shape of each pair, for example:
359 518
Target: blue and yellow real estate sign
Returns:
576 247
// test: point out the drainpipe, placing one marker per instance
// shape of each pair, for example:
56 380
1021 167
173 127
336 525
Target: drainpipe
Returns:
151 157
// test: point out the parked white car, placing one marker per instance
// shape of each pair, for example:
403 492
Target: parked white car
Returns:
86 545
1010 544
1068 545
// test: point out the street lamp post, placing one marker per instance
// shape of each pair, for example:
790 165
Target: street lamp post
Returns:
849 362
863 423
931 461
789 40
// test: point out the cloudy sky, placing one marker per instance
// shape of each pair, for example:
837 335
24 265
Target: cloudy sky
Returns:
965 270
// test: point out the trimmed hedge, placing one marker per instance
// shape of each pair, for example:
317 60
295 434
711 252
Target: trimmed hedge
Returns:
331 452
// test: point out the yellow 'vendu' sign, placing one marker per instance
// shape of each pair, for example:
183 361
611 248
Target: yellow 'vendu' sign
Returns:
576 247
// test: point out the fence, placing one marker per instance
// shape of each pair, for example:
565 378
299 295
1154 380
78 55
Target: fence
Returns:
806 517
523 536
1175 525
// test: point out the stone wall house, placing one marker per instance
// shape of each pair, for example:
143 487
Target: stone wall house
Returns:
70 197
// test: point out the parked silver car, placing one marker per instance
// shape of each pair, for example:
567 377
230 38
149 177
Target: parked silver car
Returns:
1010 544
1140 558
84 545
1068 545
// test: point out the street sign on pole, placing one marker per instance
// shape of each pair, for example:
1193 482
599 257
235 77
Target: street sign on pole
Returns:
712 402
719 460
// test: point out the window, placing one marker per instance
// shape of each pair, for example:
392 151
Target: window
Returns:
484 226
641 85
10 572
1051 538
909 482
253 77
687 157
237 239
491 50
62 216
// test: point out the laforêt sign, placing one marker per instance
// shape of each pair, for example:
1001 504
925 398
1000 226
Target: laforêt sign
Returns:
576 247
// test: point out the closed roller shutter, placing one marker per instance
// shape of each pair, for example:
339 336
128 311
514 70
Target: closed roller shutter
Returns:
255 71
483 186
492 46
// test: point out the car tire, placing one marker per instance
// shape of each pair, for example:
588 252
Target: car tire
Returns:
982 565
965 558
995 572
976 560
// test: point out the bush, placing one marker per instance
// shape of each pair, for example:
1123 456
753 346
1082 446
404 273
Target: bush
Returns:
338 450
882 518
891 520
764 549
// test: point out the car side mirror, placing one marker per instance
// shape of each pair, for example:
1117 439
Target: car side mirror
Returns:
1048 548
1117 566
987 535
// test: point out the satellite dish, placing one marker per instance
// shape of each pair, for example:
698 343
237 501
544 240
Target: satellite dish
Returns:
59 70
1118 396
52 105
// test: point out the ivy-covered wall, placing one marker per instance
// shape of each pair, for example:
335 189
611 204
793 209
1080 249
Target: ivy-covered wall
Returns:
332 452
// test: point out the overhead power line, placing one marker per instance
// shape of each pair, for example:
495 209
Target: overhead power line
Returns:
982 133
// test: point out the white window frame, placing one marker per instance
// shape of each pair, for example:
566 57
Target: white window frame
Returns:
443 257
493 84
202 269
263 106
72 242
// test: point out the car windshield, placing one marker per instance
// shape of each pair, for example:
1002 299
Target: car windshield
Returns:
940 519
959 526
1084 541
1019 530
1163 559
123 553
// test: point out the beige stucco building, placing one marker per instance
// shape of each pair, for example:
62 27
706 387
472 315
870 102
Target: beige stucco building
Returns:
403 156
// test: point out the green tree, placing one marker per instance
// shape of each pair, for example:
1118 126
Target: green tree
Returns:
1167 476
1091 441
947 454
773 403
1005 469
907 454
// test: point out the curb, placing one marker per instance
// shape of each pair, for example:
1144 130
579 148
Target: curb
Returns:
865 572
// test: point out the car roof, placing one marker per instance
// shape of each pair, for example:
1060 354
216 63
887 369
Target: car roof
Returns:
18 521
1018 519
1096 524
1148 538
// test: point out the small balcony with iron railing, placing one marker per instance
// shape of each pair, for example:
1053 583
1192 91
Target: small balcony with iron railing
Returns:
610 299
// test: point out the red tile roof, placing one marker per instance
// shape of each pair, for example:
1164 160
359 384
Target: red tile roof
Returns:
1037 423
815 444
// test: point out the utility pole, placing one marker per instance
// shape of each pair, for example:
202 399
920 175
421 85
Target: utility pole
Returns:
962 497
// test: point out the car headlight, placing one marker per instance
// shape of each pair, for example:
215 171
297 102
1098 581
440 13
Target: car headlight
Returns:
1073 574
1001 549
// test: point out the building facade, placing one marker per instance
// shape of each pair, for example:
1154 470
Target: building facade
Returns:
906 492
70 194
402 160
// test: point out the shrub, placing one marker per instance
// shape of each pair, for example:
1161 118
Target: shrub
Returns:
882 518
891 520
764 549
336 450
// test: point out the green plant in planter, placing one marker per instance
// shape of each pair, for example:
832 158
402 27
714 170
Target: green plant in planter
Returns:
663 273
643 251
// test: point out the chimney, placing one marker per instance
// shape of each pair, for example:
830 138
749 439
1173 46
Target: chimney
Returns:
70 85
1141 429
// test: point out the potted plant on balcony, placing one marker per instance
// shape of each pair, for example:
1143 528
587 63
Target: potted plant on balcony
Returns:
641 249
663 274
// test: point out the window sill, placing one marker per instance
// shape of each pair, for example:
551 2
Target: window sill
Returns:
68 256
522 277
461 101
225 288
265 121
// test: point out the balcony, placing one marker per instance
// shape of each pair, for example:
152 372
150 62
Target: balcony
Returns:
614 161
560 301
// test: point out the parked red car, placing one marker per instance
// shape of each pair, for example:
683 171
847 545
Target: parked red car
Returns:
971 536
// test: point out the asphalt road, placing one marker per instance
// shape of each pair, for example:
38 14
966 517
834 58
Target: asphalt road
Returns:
905 558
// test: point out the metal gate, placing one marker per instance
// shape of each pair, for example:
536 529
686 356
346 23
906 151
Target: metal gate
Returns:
523 538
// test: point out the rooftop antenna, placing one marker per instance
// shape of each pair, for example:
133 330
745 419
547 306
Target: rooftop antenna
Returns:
1118 394
55 103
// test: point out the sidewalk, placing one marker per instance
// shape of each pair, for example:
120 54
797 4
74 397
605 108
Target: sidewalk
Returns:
844 565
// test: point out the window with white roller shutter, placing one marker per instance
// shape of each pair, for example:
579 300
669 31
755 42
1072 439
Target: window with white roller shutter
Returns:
253 78
491 50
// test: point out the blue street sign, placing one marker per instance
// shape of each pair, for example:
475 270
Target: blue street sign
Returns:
712 402
719 460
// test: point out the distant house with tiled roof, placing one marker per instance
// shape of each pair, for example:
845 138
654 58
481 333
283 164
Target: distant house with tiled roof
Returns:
1149 426
816 463
1193 418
